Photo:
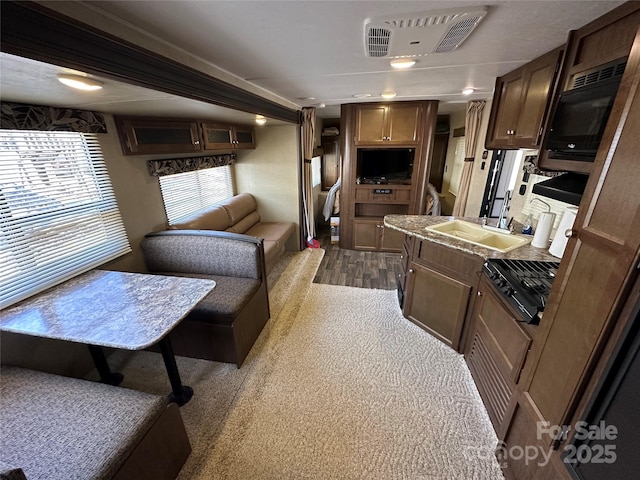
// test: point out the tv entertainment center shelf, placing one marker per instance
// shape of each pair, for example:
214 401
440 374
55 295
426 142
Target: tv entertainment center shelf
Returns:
386 178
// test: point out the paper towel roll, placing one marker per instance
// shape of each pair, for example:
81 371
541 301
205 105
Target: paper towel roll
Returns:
543 230
560 240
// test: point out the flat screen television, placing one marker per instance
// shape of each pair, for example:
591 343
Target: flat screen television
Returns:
385 165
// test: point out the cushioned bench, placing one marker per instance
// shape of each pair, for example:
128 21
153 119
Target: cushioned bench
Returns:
239 214
54 427
226 323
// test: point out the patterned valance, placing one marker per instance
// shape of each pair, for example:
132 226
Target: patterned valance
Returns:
159 168
531 166
19 116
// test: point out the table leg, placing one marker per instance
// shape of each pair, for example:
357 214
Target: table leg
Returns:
181 394
100 361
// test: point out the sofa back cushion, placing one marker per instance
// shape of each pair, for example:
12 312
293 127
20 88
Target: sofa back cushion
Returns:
202 252
245 224
212 218
239 206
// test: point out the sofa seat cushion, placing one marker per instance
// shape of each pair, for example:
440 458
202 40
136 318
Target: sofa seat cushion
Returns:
275 231
225 301
59 427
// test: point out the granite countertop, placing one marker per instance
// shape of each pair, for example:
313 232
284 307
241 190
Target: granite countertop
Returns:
414 225
107 308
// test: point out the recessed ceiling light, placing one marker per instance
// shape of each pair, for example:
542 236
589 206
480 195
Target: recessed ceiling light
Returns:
361 95
389 94
401 63
260 119
468 91
81 83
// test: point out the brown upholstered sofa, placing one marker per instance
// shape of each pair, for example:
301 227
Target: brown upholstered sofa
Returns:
225 324
239 214
59 427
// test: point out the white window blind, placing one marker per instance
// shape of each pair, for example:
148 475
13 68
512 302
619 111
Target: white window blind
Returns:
186 193
58 213
458 163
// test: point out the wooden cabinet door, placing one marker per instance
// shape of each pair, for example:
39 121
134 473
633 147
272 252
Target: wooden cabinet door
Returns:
598 264
217 136
366 234
505 110
243 137
403 124
539 78
148 135
437 303
371 125
391 239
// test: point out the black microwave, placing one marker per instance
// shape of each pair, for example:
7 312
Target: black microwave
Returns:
580 119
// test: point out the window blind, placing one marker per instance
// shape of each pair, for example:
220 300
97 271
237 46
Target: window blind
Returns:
186 193
58 212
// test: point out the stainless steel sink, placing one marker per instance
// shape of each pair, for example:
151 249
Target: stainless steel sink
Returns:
473 233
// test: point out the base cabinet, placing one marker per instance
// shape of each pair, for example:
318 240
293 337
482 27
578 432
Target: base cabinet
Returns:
496 349
437 303
371 234
438 286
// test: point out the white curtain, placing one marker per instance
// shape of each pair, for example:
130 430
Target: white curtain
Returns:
308 144
472 129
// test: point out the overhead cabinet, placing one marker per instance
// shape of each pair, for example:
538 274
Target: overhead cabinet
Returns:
221 137
140 136
391 124
520 103
150 135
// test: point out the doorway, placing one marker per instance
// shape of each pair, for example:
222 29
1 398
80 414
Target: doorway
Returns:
503 171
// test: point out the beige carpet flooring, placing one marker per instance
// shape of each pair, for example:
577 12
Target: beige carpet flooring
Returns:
338 386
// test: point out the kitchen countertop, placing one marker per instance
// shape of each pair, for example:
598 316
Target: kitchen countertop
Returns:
414 225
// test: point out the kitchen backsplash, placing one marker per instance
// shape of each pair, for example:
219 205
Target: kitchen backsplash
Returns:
522 206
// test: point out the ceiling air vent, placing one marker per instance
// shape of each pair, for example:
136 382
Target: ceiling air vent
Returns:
420 34
378 41
598 74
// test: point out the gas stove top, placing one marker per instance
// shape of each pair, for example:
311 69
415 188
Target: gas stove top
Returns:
525 284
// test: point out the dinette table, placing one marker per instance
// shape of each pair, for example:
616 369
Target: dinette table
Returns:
102 308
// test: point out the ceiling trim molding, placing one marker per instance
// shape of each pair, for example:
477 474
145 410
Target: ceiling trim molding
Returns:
31 30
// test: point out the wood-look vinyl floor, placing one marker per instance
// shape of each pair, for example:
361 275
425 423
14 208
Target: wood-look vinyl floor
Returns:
356 268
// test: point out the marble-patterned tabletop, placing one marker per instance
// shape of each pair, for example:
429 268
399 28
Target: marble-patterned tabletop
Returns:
130 311
414 225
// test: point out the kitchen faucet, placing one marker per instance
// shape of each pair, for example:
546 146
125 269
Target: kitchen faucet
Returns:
502 219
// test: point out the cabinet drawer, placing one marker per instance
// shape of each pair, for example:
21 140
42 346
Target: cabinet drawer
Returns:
454 262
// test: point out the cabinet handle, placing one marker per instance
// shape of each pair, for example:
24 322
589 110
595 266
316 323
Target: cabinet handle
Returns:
570 233
411 270
479 293
196 142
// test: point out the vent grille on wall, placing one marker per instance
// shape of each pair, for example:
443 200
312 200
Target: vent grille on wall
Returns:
598 74
420 33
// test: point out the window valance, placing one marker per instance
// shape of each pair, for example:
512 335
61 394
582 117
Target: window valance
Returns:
159 168
19 116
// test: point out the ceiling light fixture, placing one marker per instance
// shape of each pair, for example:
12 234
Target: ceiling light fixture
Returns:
260 119
468 91
361 95
81 83
401 63
389 94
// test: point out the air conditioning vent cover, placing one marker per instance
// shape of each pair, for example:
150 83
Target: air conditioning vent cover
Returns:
418 34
